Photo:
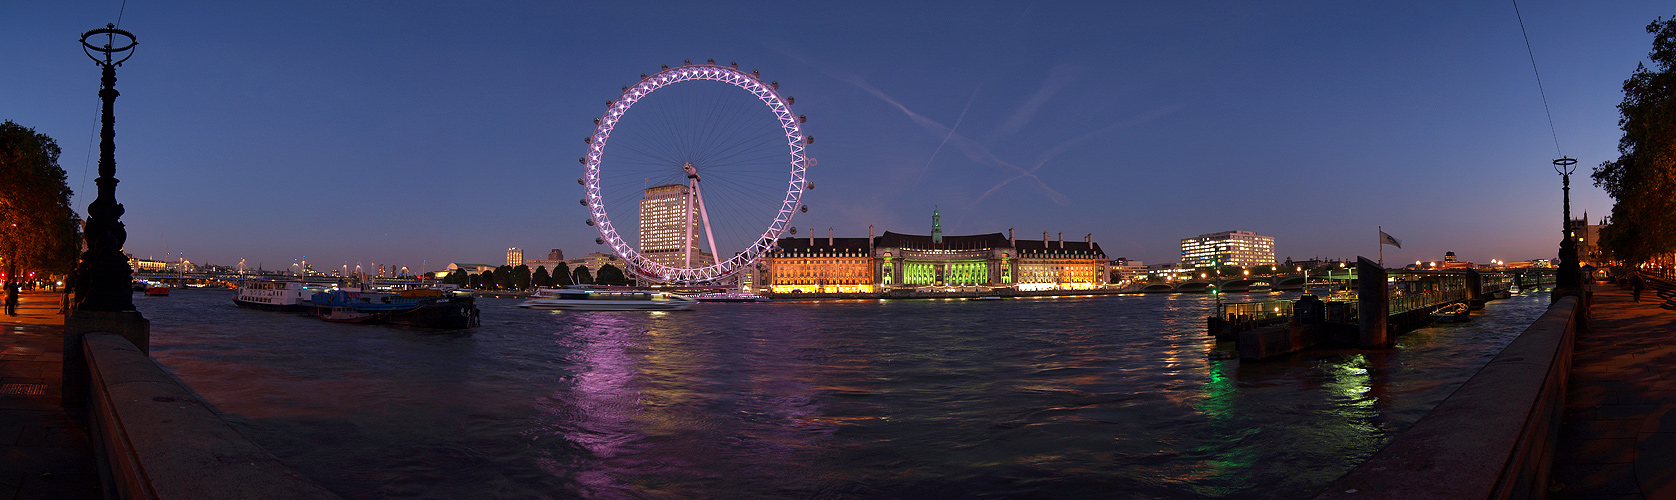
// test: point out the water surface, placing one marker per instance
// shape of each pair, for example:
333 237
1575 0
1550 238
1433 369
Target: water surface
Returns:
1072 397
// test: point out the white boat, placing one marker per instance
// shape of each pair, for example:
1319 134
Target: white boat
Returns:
273 295
728 297
572 299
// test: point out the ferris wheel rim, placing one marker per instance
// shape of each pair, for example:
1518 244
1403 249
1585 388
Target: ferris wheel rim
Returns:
719 268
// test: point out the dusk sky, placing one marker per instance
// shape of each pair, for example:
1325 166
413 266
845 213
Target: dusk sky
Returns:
402 132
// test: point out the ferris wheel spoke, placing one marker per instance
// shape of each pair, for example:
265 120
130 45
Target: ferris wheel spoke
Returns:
738 190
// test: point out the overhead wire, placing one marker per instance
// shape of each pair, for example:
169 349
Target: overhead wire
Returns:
1539 89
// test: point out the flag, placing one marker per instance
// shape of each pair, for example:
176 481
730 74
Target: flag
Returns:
1386 239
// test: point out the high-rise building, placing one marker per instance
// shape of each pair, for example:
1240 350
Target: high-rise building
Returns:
668 228
555 254
514 257
1227 248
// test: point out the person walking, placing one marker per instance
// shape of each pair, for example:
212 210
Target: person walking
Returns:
11 299
1635 285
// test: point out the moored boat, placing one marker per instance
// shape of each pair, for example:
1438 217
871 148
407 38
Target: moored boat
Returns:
579 299
1453 313
157 290
273 295
428 308
727 297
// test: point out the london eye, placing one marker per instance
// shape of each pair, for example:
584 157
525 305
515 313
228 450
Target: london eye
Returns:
694 172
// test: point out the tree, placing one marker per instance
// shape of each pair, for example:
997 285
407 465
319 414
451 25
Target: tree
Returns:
503 277
521 277
581 276
38 229
484 280
1642 181
561 275
540 277
610 275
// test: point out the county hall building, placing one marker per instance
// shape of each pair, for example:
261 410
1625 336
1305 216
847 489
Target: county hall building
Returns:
894 261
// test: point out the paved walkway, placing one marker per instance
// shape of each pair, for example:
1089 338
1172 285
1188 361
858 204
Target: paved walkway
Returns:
1618 440
44 452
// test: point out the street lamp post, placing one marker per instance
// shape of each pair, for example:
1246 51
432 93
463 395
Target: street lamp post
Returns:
1567 281
103 277
104 299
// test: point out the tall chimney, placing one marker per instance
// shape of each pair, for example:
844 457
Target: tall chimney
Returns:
1089 240
811 238
1044 239
1061 240
869 239
1012 240
829 237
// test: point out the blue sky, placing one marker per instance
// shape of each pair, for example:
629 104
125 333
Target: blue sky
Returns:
402 132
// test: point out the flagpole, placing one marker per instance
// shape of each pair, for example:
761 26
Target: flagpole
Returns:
1381 246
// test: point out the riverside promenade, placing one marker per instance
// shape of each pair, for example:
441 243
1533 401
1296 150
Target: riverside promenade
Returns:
45 452
1618 439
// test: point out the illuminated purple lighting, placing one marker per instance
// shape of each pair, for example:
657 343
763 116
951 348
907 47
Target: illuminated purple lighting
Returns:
722 268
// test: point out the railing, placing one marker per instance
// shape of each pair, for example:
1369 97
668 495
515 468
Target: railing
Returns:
1261 312
1415 301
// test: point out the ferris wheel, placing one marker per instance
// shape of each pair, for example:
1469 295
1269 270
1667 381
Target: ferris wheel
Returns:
701 178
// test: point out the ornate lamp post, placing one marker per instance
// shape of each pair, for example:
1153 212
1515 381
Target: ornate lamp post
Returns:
1567 281
103 277
104 296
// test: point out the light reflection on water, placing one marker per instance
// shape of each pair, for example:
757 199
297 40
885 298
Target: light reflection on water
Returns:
1069 397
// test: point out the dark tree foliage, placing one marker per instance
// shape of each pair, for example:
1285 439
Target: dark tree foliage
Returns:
610 275
39 232
540 277
485 280
503 277
521 277
1642 181
581 276
561 275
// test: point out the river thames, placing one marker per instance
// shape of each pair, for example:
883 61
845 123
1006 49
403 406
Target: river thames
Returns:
1072 397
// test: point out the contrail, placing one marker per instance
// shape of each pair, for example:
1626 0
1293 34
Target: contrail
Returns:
976 152
1060 77
1143 118
940 145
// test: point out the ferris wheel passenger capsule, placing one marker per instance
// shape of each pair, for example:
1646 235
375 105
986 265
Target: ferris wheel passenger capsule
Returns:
599 241
774 85
791 100
712 62
805 209
808 139
582 159
800 119
584 202
687 62
588 139
589 222
734 65
794 231
579 180
808 185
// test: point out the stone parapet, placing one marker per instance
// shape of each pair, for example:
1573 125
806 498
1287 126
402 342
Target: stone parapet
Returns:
160 441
